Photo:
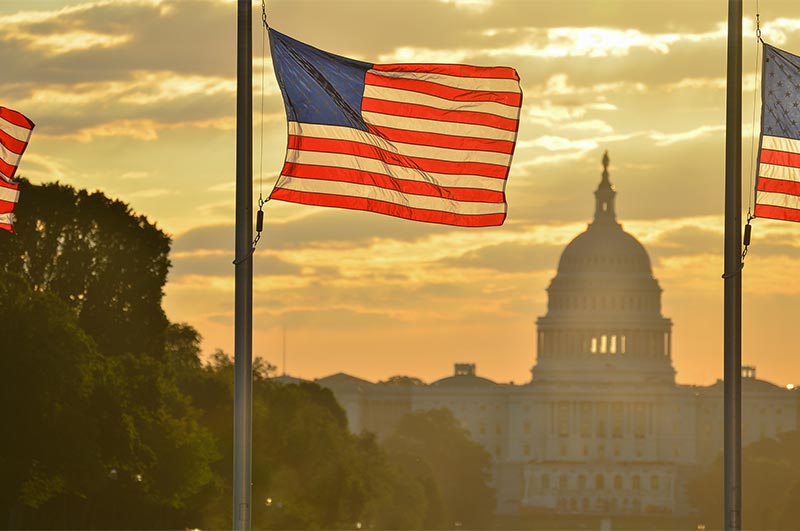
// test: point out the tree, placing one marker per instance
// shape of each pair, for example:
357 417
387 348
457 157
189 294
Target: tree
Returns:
51 369
105 262
433 442
770 486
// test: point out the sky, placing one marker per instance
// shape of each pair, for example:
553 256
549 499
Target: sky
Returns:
136 98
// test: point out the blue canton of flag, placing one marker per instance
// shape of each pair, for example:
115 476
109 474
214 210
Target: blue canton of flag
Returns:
426 142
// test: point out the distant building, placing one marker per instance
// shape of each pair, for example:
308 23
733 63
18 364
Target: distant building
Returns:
602 427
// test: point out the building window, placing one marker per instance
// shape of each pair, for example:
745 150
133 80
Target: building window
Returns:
563 419
636 483
617 419
526 449
563 482
562 450
622 344
617 482
526 427
586 419
654 483
639 425
599 482
545 482
613 346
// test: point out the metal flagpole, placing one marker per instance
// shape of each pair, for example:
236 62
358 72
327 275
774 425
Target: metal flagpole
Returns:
733 272
243 303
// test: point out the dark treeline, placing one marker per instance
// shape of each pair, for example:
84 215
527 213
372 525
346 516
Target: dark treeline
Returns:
113 421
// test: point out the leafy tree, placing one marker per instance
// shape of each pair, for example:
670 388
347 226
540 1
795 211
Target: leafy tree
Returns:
108 264
51 368
770 486
434 445
403 381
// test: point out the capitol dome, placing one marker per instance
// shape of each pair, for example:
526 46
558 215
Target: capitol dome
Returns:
604 305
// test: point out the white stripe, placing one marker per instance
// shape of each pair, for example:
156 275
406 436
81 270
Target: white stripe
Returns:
780 144
777 199
389 196
434 126
335 132
8 156
409 96
477 84
7 218
20 133
783 173
9 194
353 162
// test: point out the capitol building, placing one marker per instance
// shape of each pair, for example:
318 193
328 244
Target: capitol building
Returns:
601 427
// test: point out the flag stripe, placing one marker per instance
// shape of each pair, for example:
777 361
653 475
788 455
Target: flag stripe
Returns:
776 212
405 96
472 83
443 180
15 118
391 209
7 222
365 150
7 170
7 207
773 171
497 72
11 143
455 154
446 141
779 186
389 196
9 194
8 156
433 126
779 200
432 113
781 158
780 143
346 175
513 99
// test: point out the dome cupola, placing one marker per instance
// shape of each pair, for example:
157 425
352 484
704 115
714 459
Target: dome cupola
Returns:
604 306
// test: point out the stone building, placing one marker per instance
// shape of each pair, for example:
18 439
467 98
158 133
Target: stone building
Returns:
602 427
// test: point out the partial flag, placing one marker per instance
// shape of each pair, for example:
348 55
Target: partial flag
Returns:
778 180
425 142
15 131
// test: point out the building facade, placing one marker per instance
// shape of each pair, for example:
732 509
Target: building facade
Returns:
602 427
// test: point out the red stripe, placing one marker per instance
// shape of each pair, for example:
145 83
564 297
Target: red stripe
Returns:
7 206
7 169
347 175
327 145
6 184
776 212
513 99
11 143
781 158
439 140
15 118
9 228
496 72
766 184
413 110
390 209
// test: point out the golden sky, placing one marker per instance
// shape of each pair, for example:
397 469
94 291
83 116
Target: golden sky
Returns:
137 98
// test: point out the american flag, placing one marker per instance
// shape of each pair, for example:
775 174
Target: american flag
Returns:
426 142
15 130
778 182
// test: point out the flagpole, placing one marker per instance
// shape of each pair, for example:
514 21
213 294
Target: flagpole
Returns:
243 299
733 272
